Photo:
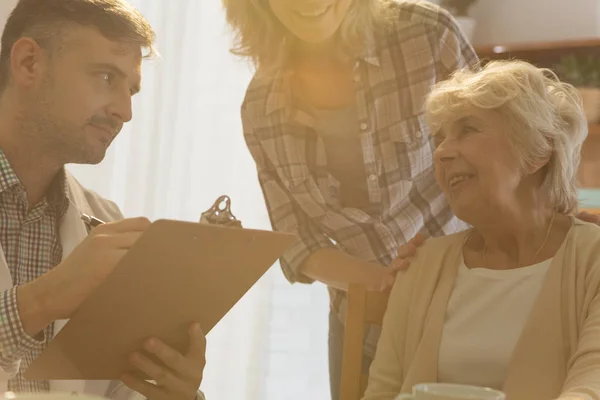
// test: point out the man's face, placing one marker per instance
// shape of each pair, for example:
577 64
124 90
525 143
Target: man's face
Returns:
83 96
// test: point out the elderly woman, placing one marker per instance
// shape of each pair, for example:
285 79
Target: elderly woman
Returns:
334 121
512 303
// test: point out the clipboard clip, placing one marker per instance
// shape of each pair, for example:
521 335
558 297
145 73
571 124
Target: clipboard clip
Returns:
220 214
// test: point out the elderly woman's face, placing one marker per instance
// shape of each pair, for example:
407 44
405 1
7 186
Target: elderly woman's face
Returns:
475 165
313 21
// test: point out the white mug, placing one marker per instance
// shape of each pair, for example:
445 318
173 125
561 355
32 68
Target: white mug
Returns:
451 391
49 396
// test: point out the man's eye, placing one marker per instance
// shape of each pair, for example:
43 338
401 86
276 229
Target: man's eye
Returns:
107 78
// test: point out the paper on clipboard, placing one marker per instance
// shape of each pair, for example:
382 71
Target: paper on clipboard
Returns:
177 273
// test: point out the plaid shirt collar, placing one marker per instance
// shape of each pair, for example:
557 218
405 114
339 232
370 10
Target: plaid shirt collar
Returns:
8 178
279 97
58 192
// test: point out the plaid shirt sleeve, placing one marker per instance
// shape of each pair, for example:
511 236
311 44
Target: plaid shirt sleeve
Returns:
298 207
285 214
14 342
455 51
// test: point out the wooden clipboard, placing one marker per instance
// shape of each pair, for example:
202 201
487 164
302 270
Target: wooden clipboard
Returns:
177 273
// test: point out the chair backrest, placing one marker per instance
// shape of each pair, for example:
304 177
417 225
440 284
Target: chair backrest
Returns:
363 307
591 210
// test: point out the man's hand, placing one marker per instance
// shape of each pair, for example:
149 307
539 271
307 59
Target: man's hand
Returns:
385 277
589 217
178 377
58 293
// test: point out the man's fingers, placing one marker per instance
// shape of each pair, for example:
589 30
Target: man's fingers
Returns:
158 373
139 224
123 240
146 389
169 356
162 375
197 350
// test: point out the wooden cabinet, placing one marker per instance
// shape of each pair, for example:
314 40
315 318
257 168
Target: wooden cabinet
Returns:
589 170
537 52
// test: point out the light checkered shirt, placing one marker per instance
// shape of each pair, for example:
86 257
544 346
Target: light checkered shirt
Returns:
423 46
31 246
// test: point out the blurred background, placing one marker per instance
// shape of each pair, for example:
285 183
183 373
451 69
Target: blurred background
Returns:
184 148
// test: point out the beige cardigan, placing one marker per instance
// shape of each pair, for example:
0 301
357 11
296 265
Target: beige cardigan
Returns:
558 353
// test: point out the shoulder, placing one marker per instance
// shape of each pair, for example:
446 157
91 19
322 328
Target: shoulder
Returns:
431 265
434 254
100 206
439 246
254 105
585 243
586 229
580 256
103 207
403 15
426 35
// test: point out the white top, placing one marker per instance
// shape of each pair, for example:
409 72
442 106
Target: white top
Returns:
484 320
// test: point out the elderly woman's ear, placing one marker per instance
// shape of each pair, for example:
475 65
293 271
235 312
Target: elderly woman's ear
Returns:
539 165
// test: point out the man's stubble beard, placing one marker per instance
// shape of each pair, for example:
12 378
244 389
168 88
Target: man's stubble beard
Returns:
53 137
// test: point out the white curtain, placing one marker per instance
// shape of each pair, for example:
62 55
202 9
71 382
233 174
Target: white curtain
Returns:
182 150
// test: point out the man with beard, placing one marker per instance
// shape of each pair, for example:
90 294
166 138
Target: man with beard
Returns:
68 71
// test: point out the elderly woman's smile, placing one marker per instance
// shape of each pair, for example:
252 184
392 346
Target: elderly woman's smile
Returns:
476 165
456 179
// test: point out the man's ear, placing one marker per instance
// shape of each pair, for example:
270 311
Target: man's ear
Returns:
27 61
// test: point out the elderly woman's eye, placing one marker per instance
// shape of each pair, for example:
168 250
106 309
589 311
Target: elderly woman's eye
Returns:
468 129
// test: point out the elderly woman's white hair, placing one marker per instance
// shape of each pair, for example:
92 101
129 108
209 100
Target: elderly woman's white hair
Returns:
545 117
262 38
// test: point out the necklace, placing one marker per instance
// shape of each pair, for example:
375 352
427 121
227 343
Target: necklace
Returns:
536 254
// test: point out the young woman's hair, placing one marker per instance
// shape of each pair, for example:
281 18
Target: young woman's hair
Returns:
261 37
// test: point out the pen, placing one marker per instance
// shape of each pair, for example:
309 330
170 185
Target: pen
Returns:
91 222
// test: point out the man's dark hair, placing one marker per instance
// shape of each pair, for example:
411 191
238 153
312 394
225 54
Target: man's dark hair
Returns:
46 20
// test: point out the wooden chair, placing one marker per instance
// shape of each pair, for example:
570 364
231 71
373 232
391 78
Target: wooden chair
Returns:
363 308
591 210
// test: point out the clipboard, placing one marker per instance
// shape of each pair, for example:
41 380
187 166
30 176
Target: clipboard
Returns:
176 273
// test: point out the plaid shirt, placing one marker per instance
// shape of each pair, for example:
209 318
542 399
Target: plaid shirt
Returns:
422 46
31 246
